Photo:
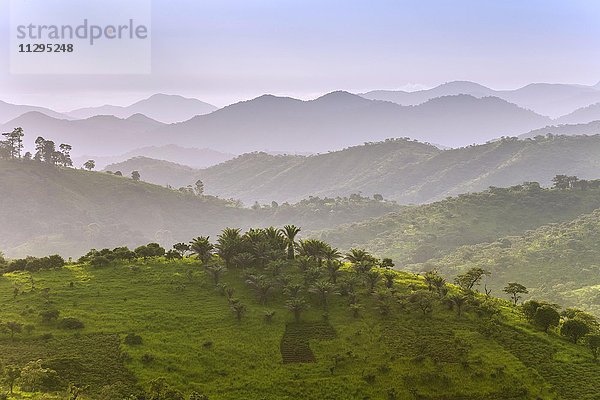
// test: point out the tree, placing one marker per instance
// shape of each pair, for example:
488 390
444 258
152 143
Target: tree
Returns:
545 317
372 277
65 155
14 327
199 187
216 271
593 343
471 278
198 396
458 302
515 290
386 263
135 175
377 197
229 244
434 280
118 173
160 390
574 329
261 284
35 378
423 300
14 142
11 374
181 249
322 289
202 248
89 165
296 306
238 308
361 260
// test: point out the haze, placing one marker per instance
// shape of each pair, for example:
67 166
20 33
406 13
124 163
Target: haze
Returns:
222 52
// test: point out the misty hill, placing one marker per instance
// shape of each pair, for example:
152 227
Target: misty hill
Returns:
161 107
554 100
192 157
159 172
100 135
47 209
340 119
589 129
558 263
582 115
11 111
403 170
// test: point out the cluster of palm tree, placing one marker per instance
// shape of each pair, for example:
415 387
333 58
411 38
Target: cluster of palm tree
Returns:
273 261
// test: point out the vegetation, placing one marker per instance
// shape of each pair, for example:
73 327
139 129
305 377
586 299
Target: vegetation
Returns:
417 234
140 325
557 263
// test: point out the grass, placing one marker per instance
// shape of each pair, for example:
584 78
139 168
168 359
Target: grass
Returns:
192 338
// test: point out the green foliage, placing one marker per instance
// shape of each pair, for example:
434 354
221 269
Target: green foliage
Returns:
566 253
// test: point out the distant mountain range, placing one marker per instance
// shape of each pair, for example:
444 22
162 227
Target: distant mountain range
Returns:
402 170
101 135
11 111
554 100
341 119
161 107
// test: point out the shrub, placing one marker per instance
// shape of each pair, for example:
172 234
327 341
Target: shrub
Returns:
147 358
133 340
70 323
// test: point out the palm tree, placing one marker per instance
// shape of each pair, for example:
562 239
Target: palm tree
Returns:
293 290
296 306
239 309
229 244
322 288
333 270
389 279
290 232
261 285
202 247
361 260
216 271
315 249
355 308
372 277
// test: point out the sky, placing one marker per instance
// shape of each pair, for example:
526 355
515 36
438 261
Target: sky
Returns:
223 51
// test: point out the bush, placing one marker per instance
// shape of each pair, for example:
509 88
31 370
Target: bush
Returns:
70 323
147 358
133 340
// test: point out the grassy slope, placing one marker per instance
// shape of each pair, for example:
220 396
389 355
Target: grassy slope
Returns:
439 356
416 234
560 263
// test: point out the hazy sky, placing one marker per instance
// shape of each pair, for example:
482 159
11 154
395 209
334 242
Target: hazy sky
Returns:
222 51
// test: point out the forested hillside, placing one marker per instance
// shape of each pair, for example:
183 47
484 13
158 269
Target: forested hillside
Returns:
400 169
558 262
416 234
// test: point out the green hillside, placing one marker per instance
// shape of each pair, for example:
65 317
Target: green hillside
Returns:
416 234
404 170
270 327
46 209
558 262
